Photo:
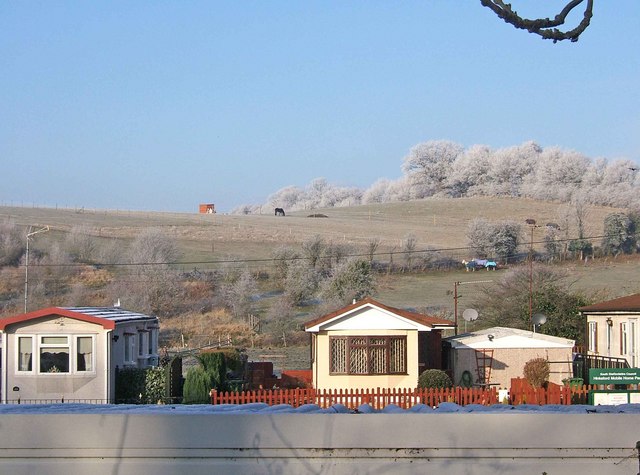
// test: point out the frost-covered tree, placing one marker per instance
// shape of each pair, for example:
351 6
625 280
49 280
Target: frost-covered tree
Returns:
287 198
353 279
301 282
372 247
506 238
557 175
619 234
479 237
489 239
409 244
313 250
153 246
283 257
81 245
428 165
154 286
511 167
239 292
444 168
469 173
377 193
12 243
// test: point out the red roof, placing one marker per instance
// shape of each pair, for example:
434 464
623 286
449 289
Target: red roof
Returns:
414 316
630 303
56 311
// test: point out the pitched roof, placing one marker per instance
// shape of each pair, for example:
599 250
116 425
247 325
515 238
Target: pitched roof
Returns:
630 303
505 337
413 316
107 317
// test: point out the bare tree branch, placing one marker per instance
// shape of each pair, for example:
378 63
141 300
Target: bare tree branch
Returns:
544 27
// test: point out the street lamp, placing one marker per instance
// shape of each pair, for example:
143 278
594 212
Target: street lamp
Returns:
26 263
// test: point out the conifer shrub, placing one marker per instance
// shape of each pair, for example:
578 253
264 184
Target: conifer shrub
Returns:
434 378
197 386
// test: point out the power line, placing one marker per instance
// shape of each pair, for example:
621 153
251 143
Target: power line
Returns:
274 260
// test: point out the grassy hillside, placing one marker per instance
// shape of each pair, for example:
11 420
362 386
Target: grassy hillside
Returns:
209 240
440 223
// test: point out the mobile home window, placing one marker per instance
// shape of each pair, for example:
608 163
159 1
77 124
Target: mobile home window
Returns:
25 353
84 354
54 354
368 355
140 344
593 336
623 338
129 347
153 338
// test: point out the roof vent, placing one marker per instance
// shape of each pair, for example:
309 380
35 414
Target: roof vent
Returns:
117 304
354 301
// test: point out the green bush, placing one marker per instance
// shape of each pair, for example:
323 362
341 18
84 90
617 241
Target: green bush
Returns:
141 385
434 378
536 372
155 387
197 386
130 385
215 364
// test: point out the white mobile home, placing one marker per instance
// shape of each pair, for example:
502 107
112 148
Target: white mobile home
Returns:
73 353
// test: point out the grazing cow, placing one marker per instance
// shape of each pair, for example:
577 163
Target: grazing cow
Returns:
279 212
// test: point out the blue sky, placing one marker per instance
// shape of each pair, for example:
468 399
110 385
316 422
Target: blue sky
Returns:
163 105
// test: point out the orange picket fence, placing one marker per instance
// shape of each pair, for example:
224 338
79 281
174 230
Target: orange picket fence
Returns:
406 398
353 398
553 394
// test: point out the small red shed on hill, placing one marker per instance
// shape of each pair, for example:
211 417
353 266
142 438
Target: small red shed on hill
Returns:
207 208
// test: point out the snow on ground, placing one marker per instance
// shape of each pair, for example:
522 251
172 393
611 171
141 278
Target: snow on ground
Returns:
259 408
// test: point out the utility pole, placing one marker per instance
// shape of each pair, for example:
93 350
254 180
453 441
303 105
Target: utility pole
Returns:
456 297
26 263
533 225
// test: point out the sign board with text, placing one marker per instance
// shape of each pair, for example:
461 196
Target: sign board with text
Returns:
614 376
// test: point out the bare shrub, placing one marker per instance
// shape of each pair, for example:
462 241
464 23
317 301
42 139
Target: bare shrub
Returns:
80 245
12 243
536 372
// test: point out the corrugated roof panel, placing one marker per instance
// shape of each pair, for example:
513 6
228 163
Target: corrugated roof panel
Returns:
115 314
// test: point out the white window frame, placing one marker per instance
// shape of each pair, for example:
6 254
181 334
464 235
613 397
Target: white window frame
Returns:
72 346
624 348
152 343
129 348
33 354
75 353
143 344
40 345
593 337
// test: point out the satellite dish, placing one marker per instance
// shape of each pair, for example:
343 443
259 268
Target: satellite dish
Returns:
470 314
539 318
